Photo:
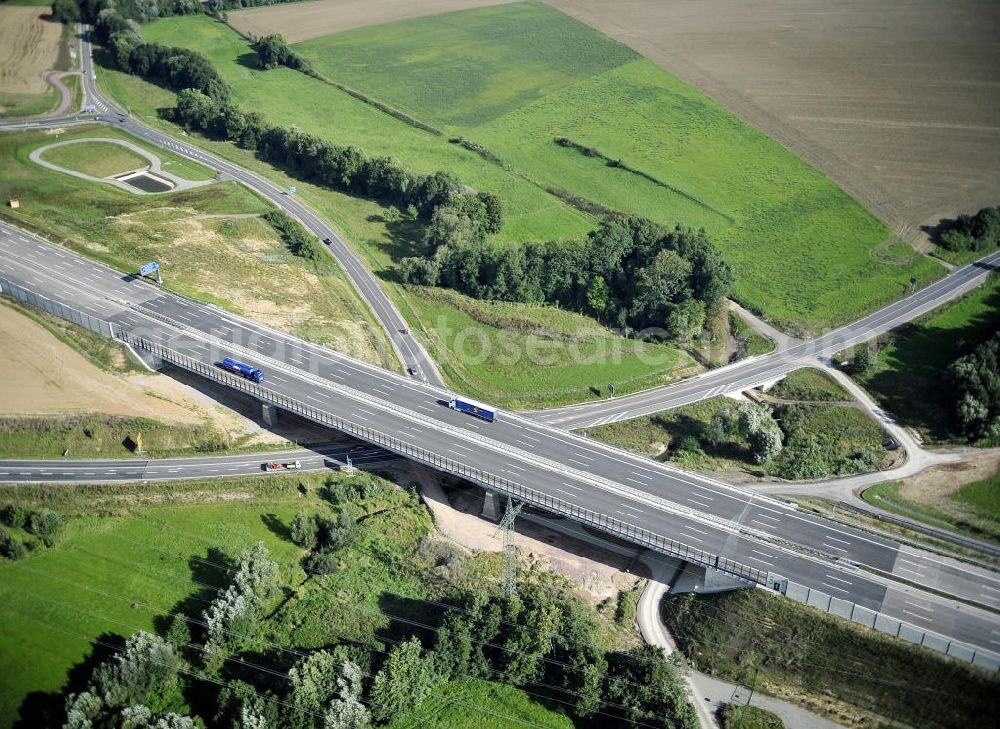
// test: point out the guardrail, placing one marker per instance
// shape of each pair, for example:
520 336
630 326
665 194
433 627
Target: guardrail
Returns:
490 481
54 307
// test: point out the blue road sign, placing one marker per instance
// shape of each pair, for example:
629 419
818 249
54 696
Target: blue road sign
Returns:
292 189
149 268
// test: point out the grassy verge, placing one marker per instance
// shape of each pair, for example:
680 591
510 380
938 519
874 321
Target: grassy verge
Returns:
907 376
836 440
735 716
812 655
448 708
810 385
750 342
515 78
104 436
28 104
973 509
519 355
204 247
98 159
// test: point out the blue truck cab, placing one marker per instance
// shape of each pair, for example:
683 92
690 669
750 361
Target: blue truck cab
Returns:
465 405
243 370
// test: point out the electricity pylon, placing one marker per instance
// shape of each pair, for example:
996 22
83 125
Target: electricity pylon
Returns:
508 574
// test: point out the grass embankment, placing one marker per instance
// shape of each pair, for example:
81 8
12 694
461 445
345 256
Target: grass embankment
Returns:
809 385
749 342
734 716
380 235
204 251
132 554
849 441
906 379
973 509
514 78
98 159
810 656
520 355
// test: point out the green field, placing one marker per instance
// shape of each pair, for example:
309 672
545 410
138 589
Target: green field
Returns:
98 159
28 104
737 716
520 355
236 262
132 554
289 98
803 250
809 656
906 379
810 385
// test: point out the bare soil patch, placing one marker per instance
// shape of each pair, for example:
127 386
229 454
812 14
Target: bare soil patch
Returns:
43 377
897 101
929 486
29 46
301 21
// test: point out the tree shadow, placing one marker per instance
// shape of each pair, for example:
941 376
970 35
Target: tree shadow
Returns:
47 708
277 526
407 617
249 60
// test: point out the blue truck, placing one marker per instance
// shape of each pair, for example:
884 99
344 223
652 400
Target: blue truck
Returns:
465 405
243 370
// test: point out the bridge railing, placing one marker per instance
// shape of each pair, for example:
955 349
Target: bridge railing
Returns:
486 479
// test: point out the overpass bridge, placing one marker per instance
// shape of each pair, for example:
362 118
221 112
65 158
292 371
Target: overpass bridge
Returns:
758 540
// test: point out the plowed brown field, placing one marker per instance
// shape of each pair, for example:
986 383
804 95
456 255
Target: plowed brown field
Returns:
301 21
29 46
896 100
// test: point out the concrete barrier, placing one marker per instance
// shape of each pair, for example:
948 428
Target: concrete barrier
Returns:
885 624
840 608
863 615
911 634
819 600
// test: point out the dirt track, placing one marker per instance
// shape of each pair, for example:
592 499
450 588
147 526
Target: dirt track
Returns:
301 21
896 100
29 46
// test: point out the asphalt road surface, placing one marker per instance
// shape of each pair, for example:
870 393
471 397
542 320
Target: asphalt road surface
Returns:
765 534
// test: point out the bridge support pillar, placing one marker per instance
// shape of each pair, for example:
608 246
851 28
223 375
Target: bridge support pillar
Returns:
269 413
492 508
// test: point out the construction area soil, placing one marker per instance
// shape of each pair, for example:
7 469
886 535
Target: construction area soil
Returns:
29 46
898 101
43 377
302 21
933 484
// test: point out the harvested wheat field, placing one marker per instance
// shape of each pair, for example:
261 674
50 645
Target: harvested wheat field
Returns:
897 100
301 21
29 46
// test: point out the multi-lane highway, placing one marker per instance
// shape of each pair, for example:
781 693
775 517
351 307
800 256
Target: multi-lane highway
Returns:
767 535
111 470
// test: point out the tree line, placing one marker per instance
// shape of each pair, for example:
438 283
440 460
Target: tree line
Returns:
974 392
628 273
979 232
348 169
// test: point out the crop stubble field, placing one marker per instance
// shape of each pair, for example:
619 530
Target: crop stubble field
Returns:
29 46
896 100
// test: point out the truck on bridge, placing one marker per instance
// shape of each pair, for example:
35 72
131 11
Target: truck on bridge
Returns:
243 370
465 405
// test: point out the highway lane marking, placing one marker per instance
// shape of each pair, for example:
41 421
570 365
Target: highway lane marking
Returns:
762 561
918 616
568 493
765 516
763 554
830 546
628 478
579 463
842 541
461 447
528 437
640 511
692 529
572 486
515 467
695 501
919 606
991 589
838 579
583 456
702 496
639 475
314 399
912 572
834 587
